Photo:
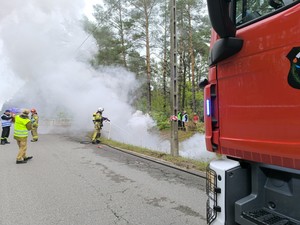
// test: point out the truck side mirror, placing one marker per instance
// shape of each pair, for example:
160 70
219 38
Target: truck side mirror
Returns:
203 82
276 4
219 16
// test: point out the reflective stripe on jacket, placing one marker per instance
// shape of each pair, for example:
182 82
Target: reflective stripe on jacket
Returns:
6 120
20 126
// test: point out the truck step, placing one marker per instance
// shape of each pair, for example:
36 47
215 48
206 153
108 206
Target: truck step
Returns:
264 217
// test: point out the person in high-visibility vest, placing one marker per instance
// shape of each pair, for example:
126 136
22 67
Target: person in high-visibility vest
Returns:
21 128
98 124
179 117
35 124
184 119
6 120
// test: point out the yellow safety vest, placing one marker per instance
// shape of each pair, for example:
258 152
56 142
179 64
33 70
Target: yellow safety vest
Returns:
20 126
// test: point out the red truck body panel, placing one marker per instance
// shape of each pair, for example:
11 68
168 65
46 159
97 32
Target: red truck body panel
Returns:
257 110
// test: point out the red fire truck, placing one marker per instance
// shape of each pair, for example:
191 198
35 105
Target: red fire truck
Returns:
252 112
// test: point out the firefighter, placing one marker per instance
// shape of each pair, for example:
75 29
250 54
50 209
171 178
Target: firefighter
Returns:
184 120
179 117
98 124
22 126
6 120
35 124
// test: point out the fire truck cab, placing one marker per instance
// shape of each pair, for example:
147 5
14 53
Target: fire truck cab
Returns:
252 112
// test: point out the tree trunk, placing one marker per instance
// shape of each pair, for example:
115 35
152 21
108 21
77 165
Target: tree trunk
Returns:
165 62
148 60
180 73
122 34
183 82
192 60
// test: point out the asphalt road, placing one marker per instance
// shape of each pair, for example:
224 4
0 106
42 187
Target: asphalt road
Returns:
69 183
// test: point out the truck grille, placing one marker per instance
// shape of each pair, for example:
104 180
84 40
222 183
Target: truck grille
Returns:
211 204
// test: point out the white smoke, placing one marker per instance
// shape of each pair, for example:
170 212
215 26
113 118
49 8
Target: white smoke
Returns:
45 66
194 148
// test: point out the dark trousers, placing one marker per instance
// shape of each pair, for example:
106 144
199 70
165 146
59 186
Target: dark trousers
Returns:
5 133
179 124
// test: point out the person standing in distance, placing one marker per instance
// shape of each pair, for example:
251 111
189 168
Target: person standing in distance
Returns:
179 118
195 118
6 120
35 124
22 126
184 120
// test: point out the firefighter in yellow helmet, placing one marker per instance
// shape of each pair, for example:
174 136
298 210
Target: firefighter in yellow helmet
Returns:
35 124
21 128
98 124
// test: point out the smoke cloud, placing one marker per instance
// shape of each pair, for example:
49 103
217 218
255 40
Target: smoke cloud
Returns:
44 65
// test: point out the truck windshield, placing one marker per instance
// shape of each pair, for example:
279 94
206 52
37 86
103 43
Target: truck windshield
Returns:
248 10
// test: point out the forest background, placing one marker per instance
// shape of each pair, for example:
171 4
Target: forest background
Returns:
135 34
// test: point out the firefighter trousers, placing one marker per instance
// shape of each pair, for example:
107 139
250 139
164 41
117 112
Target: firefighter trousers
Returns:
34 134
22 143
5 134
96 134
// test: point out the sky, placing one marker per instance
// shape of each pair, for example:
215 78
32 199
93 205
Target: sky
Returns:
44 65
88 9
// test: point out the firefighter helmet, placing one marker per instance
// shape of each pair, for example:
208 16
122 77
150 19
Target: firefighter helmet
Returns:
25 112
100 109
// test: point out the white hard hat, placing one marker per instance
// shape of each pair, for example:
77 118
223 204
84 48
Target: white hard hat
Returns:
100 109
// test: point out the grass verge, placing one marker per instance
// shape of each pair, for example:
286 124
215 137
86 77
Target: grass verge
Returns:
176 160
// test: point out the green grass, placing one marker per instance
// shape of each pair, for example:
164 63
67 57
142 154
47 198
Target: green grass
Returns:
176 160
165 134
